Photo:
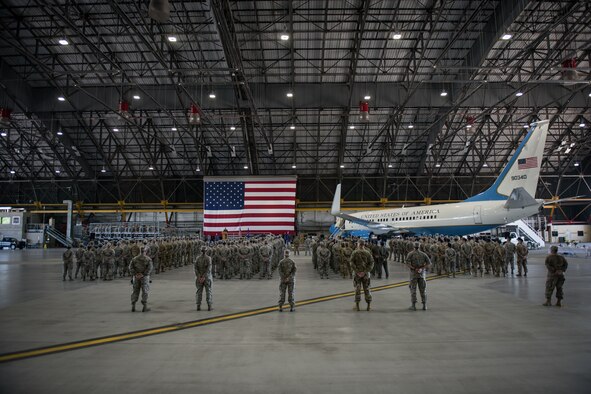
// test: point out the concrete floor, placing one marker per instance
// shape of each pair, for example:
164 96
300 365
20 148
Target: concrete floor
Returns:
485 335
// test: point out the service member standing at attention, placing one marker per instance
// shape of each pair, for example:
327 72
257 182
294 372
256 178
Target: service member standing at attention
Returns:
522 253
203 279
418 263
140 268
556 265
68 258
287 271
361 266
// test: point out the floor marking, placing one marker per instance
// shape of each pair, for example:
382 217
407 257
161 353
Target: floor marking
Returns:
44 351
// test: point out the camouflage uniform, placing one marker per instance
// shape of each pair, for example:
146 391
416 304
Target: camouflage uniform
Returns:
418 263
556 266
450 260
361 265
142 266
477 259
466 257
499 260
522 253
68 258
346 252
323 259
89 261
244 253
108 263
509 256
287 271
203 279
79 261
266 254
314 254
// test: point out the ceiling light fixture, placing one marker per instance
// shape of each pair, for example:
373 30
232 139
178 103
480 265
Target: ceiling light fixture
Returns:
352 126
60 133
232 128
410 126
519 94
115 129
507 36
443 93
576 165
582 124
212 95
437 165
390 166
151 168
173 129
136 97
289 94
294 166
485 165
3 134
197 169
284 37
468 126
246 167
396 36
57 171
61 98
103 170
292 127
342 166
12 171
367 97
63 41
172 38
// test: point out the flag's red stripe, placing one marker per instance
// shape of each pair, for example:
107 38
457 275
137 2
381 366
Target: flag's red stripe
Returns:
267 182
269 207
269 198
242 215
271 190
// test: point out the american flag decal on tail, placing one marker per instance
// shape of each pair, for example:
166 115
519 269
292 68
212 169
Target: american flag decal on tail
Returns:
528 162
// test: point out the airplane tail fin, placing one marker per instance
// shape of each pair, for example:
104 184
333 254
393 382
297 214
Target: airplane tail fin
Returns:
523 169
336 201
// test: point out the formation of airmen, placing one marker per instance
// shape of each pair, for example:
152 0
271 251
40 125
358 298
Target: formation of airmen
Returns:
248 258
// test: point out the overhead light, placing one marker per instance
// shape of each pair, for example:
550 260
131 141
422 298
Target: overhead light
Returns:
390 166
289 94
61 98
63 41
468 126
525 126
485 165
3 134
151 168
582 124
396 36
60 133
197 169
292 127
572 145
368 97
246 167
352 126
567 150
57 171
507 36
173 128
284 37
443 93
437 165
12 171
342 166
232 128
294 166
576 165
172 38
103 170
589 94
115 129
212 95
519 94
410 126
136 97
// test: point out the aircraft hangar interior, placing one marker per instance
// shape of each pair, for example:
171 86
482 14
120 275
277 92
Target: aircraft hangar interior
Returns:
307 196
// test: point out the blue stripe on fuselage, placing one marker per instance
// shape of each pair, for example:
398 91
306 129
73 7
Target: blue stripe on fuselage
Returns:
453 230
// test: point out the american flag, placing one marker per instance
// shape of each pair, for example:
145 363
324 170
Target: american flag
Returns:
252 205
528 162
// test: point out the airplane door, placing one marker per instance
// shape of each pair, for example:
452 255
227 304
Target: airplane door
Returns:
477 215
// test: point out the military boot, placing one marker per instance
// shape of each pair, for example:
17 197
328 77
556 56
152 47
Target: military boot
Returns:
357 306
292 308
209 307
559 302
548 302
280 308
412 307
198 307
424 306
133 307
145 308
369 306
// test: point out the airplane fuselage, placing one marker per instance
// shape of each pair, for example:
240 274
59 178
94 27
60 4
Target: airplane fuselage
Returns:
459 219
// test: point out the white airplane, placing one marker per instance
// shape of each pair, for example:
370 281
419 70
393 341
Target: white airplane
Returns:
509 199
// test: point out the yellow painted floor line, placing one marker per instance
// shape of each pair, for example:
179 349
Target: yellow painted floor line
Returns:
44 351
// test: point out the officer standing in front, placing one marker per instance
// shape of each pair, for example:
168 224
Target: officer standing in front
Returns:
140 268
418 263
361 266
287 271
203 279
556 265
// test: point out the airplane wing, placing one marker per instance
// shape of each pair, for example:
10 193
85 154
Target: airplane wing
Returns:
375 226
